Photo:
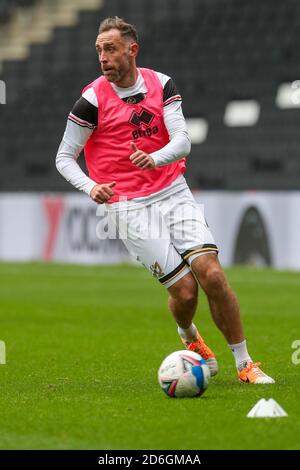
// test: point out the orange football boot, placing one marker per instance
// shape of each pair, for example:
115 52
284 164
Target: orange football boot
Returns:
251 373
199 346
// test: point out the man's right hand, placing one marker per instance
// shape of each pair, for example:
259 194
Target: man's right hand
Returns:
102 192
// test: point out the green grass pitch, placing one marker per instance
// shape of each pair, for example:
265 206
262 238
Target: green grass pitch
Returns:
84 345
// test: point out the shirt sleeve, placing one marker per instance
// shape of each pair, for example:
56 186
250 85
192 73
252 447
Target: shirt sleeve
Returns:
170 93
180 144
81 123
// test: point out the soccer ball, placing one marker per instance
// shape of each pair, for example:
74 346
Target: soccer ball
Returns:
183 374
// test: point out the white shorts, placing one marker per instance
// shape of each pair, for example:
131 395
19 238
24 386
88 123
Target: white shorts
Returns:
166 235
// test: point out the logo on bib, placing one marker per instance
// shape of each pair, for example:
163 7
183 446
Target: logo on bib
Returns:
142 120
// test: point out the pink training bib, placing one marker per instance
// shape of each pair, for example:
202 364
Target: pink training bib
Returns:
108 150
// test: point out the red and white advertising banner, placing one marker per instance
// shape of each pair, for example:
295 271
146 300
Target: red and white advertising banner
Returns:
259 228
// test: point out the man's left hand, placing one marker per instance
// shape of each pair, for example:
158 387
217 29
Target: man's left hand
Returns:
141 159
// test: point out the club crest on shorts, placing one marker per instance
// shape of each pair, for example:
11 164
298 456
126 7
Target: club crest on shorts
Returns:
156 270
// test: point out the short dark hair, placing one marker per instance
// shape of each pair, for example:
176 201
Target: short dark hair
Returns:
114 22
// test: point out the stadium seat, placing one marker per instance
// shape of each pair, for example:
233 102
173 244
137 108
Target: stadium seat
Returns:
216 51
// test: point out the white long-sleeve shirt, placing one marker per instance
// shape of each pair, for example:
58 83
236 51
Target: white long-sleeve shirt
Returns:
83 119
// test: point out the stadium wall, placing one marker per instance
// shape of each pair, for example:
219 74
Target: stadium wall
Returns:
259 228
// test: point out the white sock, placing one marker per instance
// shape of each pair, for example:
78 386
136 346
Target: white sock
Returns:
241 354
190 334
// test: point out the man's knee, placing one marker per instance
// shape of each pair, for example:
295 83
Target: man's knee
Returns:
212 278
185 290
